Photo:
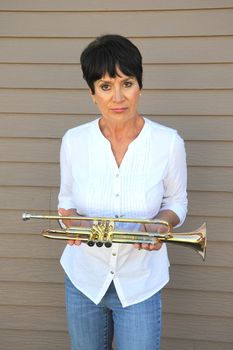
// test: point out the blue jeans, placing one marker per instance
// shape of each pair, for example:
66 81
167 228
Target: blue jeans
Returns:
91 326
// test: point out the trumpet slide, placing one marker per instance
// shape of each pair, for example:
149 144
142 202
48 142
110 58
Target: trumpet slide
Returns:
102 232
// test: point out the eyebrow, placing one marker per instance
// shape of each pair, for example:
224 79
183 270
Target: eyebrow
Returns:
109 81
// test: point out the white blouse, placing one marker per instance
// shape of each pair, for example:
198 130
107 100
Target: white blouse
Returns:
151 178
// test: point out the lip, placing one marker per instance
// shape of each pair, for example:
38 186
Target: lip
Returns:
119 109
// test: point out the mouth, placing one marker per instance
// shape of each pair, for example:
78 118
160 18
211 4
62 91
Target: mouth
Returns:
119 109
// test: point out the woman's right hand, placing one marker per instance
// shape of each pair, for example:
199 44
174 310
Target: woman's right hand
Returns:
72 223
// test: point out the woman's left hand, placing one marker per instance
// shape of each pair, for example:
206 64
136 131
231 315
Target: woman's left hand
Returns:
151 228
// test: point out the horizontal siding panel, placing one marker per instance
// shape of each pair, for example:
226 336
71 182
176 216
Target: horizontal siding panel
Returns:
218 254
30 150
18 226
33 318
201 153
111 5
41 125
203 303
29 174
46 175
186 50
212 127
25 197
45 101
210 203
199 76
164 102
31 270
210 179
36 294
41 76
154 50
183 344
174 301
181 326
202 278
36 198
55 125
207 328
204 345
47 150
190 76
36 246
29 339
152 23
219 229
183 102
182 277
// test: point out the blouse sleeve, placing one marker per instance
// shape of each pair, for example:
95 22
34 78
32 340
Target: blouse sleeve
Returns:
65 198
175 182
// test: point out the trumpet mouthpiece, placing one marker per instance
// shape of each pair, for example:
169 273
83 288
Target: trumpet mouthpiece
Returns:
26 216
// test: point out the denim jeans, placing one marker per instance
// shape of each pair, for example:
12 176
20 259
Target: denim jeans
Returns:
91 326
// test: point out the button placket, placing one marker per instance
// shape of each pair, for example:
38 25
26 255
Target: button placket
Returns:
117 194
116 201
113 259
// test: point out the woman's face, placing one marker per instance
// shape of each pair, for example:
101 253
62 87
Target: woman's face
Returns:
117 98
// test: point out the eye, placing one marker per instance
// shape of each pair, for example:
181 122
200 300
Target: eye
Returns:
128 84
105 87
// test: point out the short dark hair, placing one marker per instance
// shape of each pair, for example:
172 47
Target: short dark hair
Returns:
106 53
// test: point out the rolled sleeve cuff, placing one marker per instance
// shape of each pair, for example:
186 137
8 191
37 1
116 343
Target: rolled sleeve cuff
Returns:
66 204
179 210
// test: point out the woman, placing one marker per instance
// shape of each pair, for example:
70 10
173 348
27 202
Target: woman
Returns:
119 165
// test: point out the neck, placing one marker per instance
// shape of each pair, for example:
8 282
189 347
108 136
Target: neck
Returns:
114 129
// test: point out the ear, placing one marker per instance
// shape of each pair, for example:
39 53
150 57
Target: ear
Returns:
92 96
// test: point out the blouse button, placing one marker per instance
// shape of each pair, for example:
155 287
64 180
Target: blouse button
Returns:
117 195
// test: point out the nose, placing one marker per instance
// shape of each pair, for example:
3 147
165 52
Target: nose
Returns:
118 95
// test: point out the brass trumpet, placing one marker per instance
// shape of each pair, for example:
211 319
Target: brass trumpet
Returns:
102 232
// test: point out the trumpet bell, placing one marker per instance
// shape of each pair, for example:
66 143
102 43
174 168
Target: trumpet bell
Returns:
196 240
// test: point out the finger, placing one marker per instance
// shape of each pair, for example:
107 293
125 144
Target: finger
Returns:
151 247
71 242
137 246
62 211
156 246
145 246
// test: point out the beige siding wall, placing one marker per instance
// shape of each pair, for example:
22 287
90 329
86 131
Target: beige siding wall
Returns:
188 62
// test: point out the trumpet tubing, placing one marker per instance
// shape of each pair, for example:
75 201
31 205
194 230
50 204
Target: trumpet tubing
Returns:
102 232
